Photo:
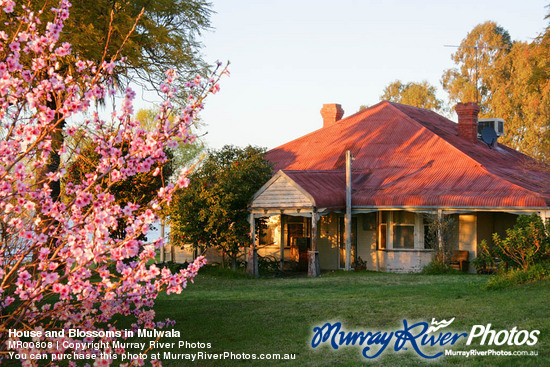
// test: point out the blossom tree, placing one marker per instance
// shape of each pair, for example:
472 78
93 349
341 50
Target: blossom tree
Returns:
61 268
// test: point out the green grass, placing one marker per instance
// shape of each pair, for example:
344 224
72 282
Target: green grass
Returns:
276 315
515 277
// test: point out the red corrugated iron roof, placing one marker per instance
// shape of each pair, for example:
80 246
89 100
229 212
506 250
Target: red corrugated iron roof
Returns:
408 156
324 186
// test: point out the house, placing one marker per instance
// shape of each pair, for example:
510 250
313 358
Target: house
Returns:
406 166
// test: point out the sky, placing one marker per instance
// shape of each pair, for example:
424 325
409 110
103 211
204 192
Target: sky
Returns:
288 58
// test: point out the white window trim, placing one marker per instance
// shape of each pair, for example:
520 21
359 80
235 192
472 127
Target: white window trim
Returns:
418 233
379 232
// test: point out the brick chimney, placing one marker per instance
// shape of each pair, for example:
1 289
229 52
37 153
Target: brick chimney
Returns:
331 113
467 120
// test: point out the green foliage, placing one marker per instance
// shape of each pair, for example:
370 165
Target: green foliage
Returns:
441 229
184 155
437 268
515 277
360 264
522 257
165 36
223 272
521 96
174 266
476 58
513 81
526 244
414 94
212 211
268 264
486 261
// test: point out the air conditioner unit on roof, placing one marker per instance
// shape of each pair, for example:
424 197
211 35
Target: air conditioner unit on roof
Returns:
496 124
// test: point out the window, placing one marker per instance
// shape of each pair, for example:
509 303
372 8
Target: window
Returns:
382 230
295 227
403 229
270 231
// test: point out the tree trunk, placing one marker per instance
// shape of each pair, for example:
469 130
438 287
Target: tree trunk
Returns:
54 160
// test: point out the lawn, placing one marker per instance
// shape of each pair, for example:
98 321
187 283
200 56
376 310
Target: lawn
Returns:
277 315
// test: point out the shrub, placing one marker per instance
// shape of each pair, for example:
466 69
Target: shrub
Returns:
225 272
514 277
526 244
440 230
486 261
438 267
268 264
174 267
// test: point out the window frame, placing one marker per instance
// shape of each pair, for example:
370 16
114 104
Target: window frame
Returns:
386 226
403 224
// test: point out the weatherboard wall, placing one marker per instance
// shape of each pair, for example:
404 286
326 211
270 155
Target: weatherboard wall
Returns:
327 242
281 194
366 242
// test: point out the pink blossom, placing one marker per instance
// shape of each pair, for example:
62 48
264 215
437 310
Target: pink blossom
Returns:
8 301
215 89
24 275
102 362
50 278
64 249
80 65
28 235
57 287
71 131
14 46
164 88
115 175
64 50
8 5
183 181
44 251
